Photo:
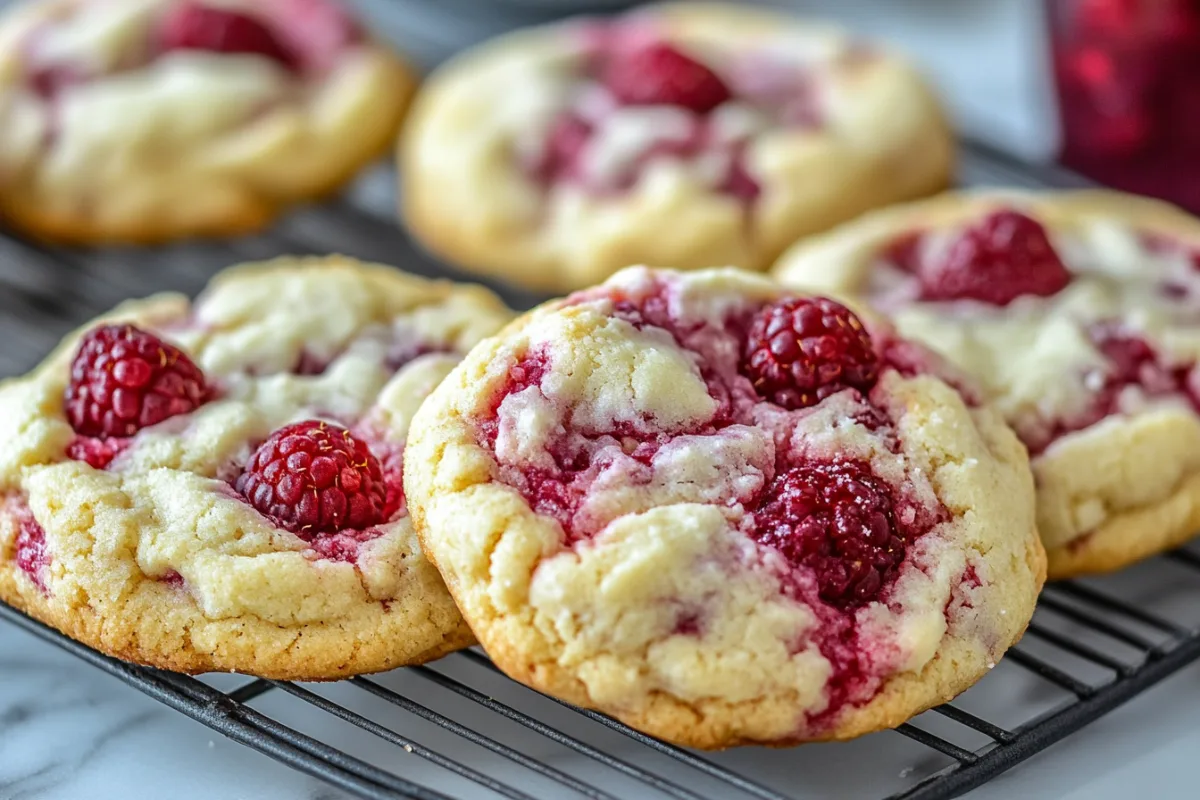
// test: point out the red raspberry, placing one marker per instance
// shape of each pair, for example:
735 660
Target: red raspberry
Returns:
528 371
739 183
193 26
802 350
658 74
124 379
315 477
996 260
837 520
1132 362
1135 362
905 252
560 153
1130 355
97 453
316 31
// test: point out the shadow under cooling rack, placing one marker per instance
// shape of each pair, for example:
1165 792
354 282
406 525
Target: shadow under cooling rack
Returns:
458 728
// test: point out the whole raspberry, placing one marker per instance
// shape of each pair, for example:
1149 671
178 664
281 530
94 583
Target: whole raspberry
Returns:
837 520
124 379
658 74
996 260
802 350
315 477
194 26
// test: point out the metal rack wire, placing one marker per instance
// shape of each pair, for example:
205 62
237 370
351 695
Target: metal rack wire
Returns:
1087 651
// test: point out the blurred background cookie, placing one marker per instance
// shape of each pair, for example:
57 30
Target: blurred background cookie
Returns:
692 135
1080 315
150 120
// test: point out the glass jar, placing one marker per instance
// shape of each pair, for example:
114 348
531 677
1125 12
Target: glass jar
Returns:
1128 80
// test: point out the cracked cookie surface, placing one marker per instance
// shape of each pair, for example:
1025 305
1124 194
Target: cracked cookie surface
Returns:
689 134
152 120
1080 315
150 512
634 516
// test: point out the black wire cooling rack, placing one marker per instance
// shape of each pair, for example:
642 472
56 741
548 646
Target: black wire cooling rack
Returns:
457 728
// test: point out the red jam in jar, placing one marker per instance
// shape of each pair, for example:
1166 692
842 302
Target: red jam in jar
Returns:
1128 79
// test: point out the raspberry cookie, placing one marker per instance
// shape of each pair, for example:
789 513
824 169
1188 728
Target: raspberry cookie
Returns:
148 120
694 135
725 514
217 486
1080 313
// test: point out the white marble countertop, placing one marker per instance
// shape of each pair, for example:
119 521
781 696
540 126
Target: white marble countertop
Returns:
69 731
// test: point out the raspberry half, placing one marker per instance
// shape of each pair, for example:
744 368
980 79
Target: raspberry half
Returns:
837 520
658 74
315 477
998 259
194 26
802 350
124 379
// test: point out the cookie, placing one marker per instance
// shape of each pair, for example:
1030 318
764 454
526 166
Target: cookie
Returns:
724 514
688 135
1080 314
216 486
151 120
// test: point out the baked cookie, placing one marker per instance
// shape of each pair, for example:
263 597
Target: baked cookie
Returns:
150 120
216 486
724 514
690 135
1080 314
